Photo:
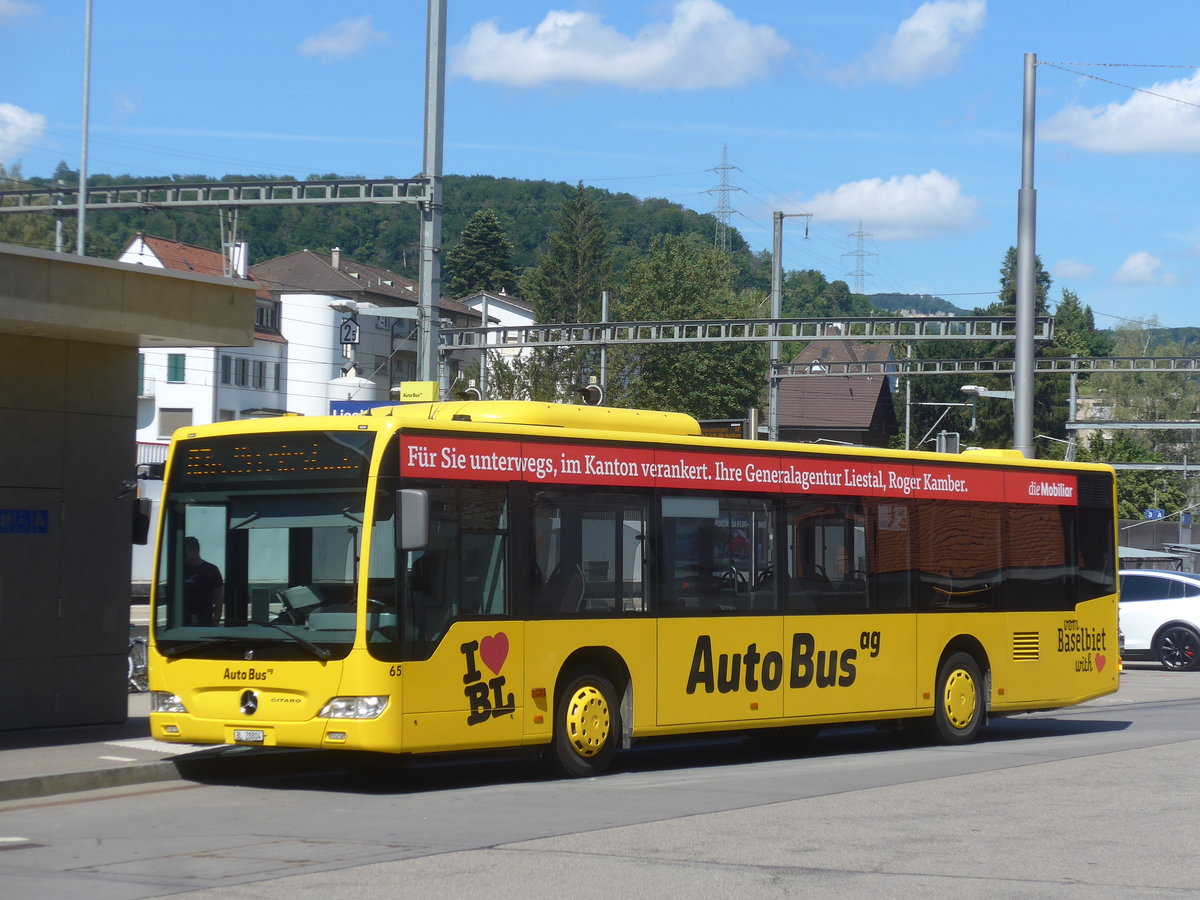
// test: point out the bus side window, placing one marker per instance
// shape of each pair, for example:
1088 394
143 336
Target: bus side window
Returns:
827 556
589 553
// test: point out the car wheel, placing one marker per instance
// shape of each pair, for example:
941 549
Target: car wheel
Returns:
1178 648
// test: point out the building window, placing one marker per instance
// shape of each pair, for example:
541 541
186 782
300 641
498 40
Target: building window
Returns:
242 367
266 315
141 374
226 369
260 374
278 377
176 365
226 415
171 419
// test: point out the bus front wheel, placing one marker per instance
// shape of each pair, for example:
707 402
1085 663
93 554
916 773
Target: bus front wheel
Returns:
587 725
958 712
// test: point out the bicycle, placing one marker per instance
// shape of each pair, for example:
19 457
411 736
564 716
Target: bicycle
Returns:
139 681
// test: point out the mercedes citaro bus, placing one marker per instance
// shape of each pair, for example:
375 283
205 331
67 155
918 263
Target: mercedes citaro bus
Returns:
451 576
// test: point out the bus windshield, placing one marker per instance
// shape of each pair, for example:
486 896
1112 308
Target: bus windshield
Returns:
248 566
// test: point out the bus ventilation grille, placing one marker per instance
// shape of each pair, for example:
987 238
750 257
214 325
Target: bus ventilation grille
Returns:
1026 646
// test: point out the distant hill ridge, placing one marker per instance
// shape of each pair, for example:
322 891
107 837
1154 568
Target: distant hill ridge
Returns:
919 304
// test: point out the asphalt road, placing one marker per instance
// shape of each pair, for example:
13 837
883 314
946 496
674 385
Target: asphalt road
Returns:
1096 801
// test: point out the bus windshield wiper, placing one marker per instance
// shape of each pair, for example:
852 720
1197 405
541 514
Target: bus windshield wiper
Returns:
200 645
187 649
318 652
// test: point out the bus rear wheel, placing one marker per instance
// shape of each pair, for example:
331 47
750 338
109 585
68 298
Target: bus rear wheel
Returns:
958 711
587 725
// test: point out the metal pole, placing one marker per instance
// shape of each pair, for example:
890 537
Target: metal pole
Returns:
83 153
908 401
483 360
605 296
431 209
1026 273
776 312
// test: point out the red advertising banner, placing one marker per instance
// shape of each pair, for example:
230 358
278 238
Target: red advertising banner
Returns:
481 459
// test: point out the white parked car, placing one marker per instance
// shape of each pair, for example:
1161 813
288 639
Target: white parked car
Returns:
1160 617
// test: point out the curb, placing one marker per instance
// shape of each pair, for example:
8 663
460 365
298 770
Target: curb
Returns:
216 763
92 780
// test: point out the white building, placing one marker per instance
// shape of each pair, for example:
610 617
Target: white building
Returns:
504 310
192 386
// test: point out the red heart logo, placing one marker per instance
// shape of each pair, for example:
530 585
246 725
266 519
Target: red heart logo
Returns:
493 650
1100 660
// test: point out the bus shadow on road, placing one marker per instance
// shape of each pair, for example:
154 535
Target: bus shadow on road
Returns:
383 774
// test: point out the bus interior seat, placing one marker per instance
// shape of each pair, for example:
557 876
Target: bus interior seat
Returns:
563 590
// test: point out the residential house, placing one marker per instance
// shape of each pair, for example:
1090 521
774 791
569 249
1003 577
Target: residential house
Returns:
503 309
194 385
851 409
307 285
297 364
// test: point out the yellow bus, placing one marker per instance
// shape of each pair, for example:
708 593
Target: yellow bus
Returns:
449 576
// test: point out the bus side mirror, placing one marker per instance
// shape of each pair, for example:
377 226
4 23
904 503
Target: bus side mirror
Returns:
412 529
141 520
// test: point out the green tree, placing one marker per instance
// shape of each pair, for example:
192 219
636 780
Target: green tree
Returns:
1138 491
994 417
566 283
684 277
482 259
1152 396
25 229
566 286
1075 328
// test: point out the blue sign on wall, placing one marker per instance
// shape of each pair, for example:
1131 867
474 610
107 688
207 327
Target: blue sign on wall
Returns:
352 407
24 521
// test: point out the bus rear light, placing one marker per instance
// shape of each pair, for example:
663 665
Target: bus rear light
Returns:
354 708
163 702
538 693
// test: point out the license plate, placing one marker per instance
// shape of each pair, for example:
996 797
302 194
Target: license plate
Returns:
249 736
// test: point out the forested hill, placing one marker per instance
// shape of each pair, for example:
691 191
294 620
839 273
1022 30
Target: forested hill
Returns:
387 235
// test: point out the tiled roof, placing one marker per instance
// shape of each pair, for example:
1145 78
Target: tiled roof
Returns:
309 272
182 257
836 402
510 299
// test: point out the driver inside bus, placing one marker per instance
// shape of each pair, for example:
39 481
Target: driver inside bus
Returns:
203 587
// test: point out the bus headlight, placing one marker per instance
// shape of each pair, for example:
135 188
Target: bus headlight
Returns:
162 702
353 708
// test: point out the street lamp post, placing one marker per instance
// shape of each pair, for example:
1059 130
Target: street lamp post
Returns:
976 391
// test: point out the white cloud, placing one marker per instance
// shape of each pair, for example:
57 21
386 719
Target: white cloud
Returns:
1072 268
703 45
1139 268
1144 123
19 131
12 10
347 38
926 44
903 208
125 104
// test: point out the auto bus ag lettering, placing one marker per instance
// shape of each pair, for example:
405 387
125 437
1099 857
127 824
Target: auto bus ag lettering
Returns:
486 695
751 669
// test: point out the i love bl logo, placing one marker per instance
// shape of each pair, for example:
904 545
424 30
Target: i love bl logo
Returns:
486 695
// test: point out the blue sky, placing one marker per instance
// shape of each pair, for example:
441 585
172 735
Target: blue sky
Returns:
903 115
